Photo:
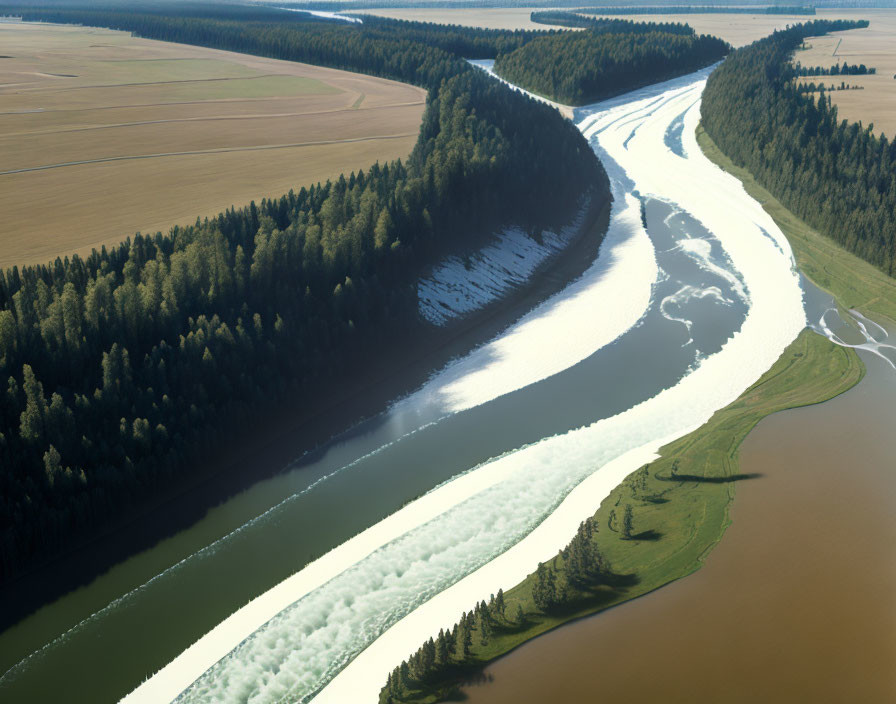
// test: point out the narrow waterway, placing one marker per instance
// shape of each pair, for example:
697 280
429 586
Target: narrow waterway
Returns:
795 604
692 297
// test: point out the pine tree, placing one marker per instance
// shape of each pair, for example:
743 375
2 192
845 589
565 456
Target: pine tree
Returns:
499 602
627 522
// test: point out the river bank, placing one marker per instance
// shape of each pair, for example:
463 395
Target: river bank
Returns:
852 281
795 604
680 512
123 558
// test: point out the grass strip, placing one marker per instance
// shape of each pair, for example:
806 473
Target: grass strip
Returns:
852 281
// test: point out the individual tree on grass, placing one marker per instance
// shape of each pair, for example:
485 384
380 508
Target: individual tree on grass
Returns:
544 593
466 635
499 602
627 522
485 627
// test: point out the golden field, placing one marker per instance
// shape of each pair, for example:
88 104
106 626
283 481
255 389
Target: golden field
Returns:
103 134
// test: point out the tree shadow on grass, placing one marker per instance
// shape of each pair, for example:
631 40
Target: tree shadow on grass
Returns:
620 581
710 480
648 535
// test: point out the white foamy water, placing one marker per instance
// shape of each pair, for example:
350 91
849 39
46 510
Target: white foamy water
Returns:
608 299
876 337
356 612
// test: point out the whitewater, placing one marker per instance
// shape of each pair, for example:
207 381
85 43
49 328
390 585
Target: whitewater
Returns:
334 630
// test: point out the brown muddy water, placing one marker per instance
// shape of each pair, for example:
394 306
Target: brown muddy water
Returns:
796 604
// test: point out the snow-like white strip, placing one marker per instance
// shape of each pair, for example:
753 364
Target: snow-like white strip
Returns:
214 645
611 296
401 571
608 299
325 15
461 285
774 320
488 65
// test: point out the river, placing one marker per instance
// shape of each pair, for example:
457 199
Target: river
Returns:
692 297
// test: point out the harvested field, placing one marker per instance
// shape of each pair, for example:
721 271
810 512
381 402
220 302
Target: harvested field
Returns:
103 134
875 101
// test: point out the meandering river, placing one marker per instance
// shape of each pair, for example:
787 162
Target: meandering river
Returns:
692 297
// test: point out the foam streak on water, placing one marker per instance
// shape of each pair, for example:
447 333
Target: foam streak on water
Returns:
360 609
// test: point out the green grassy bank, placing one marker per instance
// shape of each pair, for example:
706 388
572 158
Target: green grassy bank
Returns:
679 507
852 281
679 504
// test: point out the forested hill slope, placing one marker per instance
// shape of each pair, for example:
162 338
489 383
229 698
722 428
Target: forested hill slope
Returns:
577 68
838 177
120 371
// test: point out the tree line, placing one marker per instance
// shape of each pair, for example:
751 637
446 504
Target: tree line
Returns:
812 87
839 177
123 369
563 18
578 576
577 68
560 583
843 69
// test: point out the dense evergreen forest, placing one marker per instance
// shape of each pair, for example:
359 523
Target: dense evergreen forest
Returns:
837 176
123 369
577 68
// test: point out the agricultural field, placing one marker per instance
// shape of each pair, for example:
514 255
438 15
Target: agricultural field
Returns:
103 134
875 99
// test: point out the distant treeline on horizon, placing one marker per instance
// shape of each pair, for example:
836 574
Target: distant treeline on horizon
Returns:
618 8
705 9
